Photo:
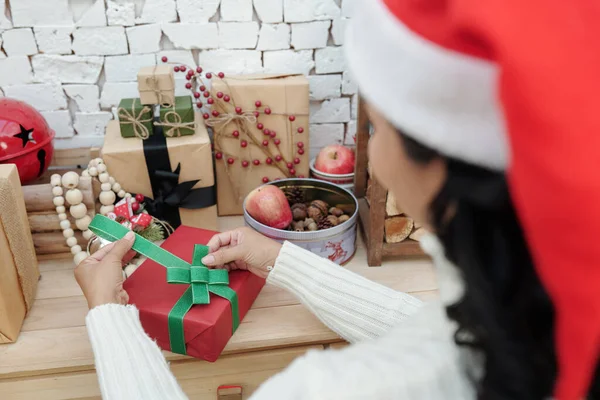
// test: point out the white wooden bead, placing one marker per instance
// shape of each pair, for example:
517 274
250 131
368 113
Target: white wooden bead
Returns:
93 171
70 180
111 180
74 196
55 180
116 187
62 216
72 241
107 209
78 210
83 223
58 201
107 198
121 193
85 173
103 177
79 257
128 195
76 249
61 209
101 168
57 191
99 160
87 235
106 187
65 224
67 233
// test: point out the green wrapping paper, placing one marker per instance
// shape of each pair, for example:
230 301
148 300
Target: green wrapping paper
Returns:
135 119
178 120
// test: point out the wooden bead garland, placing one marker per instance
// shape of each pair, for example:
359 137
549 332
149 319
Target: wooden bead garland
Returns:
110 190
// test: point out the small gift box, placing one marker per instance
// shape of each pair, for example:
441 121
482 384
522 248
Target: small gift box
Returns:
156 85
135 119
184 306
178 119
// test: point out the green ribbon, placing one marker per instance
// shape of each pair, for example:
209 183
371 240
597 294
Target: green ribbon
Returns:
200 279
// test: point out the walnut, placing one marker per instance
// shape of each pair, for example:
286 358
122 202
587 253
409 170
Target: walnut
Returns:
308 221
321 205
333 220
315 213
343 218
335 211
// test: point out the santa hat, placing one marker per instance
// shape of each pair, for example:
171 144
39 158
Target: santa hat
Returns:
510 86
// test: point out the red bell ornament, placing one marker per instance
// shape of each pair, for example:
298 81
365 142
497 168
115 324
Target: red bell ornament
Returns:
25 139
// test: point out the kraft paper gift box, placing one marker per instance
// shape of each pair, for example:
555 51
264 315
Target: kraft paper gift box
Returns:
19 271
175 174
156 85
135 119
178 119
283 113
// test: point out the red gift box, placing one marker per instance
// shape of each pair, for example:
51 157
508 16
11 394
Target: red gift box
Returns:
207 327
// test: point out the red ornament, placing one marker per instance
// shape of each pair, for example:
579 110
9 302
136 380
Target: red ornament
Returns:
292 118
220 95
276 141
25 139
267 132
300 176
140 198
278 157
300 151
164 59
256 113
199 70
219 155
221 75
260 126
256 162
206 94
257 103
245 163
202 88
215 113
188 77
226 98
176 68
208 75
267 111
265 179
210 100
196 94
230 161
182 68
269 160
300 130
290 165
199 104
265 142
273 134
205 116
188 85
238 110
292 171
296 160
243 143
235 133
300 145
135 207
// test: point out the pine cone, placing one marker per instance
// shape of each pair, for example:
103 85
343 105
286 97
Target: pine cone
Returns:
294 195
324 223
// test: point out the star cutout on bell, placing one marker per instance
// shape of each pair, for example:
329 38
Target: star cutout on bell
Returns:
26 135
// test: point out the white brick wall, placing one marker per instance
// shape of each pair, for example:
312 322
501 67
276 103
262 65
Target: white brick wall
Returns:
75 59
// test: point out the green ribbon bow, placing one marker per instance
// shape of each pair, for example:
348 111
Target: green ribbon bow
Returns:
200 279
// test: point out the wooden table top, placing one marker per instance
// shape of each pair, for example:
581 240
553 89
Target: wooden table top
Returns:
54 338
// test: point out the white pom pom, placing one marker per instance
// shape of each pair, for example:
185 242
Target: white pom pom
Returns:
75 249
78 210
107 198
74 196
70 180
103 177
93 171
72 241
61 209
87 235
58 201
79 257
67 233
55 180
62 216
57 191
65 224
83 223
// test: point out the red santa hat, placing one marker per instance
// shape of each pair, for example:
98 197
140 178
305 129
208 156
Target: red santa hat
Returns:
510 86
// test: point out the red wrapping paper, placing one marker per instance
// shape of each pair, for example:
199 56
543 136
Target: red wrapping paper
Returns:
207 327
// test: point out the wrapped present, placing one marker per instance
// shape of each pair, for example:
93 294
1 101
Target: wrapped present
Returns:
156 85
260 128
184 306
178 120
174 174
135 119
19 271
141 220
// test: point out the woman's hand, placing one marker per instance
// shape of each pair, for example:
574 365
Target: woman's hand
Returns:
242 248
101 274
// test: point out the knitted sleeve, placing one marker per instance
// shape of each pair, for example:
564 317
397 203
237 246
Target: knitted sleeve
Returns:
349 304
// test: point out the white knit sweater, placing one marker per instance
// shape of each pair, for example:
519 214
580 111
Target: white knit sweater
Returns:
400 348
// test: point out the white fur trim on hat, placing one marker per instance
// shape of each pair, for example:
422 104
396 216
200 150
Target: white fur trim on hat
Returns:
441 98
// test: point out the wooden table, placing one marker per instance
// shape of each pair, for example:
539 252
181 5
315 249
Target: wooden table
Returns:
53 359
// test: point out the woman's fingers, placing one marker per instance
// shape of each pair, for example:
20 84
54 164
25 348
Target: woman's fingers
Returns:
219 240
223 256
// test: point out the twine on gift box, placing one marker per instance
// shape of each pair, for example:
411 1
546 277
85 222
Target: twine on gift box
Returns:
175 124
136 121
152 82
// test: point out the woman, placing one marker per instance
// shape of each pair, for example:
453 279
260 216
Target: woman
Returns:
519 318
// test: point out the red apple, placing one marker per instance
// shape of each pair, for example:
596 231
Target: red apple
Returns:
335 159
269 206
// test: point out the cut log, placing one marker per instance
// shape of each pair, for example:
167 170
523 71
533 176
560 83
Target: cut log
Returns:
391 208
39 197
48 221
418 234
369 191
397 229
54 242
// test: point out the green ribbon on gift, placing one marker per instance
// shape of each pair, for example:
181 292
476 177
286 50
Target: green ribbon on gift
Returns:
201 280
